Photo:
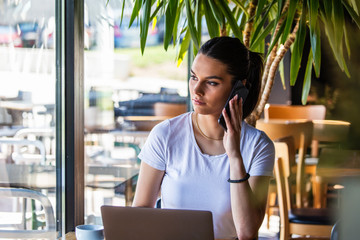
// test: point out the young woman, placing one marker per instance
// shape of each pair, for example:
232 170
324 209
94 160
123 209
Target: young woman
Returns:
193 162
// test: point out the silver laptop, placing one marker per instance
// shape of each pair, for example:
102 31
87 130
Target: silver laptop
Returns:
133 223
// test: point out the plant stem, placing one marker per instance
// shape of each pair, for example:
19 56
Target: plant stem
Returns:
248 26
255 115
272 55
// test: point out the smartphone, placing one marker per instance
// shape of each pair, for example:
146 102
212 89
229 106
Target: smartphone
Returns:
242 92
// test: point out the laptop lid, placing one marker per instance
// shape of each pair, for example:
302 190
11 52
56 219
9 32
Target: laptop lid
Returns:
133 223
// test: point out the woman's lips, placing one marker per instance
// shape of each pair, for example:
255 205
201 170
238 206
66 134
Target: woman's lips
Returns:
198 102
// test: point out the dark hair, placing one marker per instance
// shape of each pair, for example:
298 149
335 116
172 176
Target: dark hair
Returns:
241 64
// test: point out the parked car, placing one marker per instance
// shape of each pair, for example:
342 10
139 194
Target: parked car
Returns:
30 34
9 36
125 37
144 104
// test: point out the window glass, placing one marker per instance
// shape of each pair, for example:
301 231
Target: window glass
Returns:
27 119
126 94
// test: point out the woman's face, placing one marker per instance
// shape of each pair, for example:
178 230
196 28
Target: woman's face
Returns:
210 85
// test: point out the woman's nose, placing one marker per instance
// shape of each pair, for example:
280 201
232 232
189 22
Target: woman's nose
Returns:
198 89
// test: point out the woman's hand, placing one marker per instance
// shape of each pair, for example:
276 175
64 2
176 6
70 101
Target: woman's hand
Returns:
232 136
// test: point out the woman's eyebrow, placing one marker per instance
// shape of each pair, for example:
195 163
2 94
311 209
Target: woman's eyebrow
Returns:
209 77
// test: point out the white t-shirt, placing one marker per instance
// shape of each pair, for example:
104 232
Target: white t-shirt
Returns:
194 180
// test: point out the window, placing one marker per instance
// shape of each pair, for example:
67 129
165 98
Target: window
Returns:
126 94
28 164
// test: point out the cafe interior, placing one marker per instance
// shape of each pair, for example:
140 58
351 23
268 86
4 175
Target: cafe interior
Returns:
74 115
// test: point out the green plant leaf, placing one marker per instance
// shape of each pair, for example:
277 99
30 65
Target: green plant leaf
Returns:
280 7
263 35
212 24
337 50
260 7
307 79
230 18
184 47
144 24
279 10
170 16
276 39
328 9
240 5
198 16
242 21
217 13
338 20
346 70
159 6
122 12
347 43
176 23
135 11
355 4
261 24
191 23
315 40
313 12
315 34
352 13
289 19
297 48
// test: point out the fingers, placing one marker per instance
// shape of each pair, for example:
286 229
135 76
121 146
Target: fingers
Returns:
227 121
234 110
240 110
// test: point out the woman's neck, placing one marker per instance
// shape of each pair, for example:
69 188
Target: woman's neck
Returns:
208 126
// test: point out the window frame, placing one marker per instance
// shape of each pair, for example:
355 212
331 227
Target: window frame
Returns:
69 114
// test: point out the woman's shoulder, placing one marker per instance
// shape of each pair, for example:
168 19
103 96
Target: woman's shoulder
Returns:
254 133
172 125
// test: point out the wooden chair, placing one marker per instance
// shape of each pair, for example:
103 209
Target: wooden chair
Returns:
301 131
308 112
300 221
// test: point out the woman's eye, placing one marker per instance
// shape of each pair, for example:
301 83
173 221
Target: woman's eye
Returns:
213 83
193 77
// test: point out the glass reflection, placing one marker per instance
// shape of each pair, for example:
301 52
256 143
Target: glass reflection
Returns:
27 104
126 95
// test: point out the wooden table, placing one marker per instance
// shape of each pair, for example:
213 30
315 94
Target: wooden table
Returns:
330 130
335 166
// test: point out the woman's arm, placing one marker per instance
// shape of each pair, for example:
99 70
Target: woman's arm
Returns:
248 198
248 203
148 186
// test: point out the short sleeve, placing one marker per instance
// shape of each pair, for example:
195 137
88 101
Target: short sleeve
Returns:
264 156
154 150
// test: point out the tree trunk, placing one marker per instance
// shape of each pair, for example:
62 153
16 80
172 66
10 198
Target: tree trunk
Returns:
255 115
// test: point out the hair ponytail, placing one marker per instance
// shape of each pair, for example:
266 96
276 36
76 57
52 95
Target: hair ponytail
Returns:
253 81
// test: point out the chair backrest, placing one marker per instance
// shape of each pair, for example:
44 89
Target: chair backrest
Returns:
19 157
276 129
310 112
281 174
50 228
302 132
